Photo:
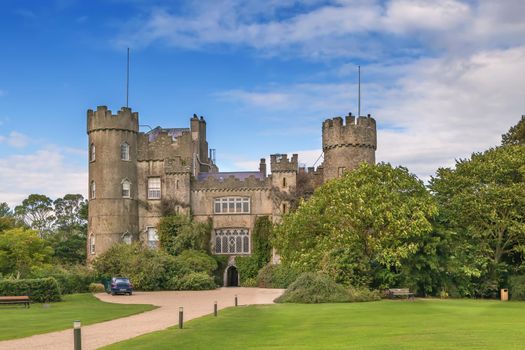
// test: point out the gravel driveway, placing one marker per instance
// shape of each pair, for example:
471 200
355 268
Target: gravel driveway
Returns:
196 304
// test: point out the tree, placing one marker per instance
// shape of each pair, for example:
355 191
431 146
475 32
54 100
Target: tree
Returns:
361 228
5 210
515 135
7 221
482 200
36 212
22 250
69 210
179 232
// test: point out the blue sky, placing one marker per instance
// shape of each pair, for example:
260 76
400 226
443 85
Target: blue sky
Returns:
442 79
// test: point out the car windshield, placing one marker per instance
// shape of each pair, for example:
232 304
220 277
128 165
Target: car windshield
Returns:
121 280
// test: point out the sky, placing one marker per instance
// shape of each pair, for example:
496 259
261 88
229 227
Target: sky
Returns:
443 78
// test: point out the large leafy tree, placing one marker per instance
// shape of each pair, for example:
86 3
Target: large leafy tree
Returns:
362 228
70 211
21 251
482 205
7 220
36 211
515 135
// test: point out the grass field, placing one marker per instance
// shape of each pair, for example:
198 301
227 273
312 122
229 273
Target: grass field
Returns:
18 322
423 324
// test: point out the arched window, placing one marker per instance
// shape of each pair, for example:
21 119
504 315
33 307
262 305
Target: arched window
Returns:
126 238
92 244
232 241
92 152
126 188
124 151
93 189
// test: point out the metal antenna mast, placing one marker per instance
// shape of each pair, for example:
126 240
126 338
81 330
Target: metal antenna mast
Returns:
359 91
127 82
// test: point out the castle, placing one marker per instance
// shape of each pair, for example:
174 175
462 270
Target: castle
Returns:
133 175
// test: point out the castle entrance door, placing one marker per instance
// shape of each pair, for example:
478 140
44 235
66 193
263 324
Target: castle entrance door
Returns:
232 277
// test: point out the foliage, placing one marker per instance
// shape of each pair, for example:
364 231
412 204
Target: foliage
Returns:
360 229
69 247
517 287
482 206
36 211
7 221
71 279
192 281
361 294
21 251
70 211
193 261
276 276
249 282
96 288
178 233
249 266
515 135
314 288
40 290
5 210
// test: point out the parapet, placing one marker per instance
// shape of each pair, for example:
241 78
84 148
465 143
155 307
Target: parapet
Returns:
350 132
232 183
103 119
280 162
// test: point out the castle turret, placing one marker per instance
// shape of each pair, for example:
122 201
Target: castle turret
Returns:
284 179
113 205
348 144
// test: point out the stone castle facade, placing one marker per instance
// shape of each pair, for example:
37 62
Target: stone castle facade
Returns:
134 175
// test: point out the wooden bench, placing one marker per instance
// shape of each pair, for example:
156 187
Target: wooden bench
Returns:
14 300
400 292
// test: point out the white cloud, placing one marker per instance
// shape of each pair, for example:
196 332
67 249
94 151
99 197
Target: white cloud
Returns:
45 171
15 139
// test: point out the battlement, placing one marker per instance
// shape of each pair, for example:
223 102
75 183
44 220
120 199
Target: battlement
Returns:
103 119
280 162
350 132
231 183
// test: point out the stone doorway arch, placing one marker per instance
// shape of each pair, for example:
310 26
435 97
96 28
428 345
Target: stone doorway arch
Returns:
231 277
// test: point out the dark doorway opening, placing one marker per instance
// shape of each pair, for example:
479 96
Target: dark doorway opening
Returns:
232 277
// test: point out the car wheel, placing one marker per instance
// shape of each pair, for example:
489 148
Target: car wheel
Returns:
112 293
130 293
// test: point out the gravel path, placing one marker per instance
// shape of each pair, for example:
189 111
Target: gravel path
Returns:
196 304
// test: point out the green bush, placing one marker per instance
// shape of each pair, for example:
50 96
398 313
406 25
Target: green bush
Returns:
194 261
97 288
363 294
192 281
249 282
71 279
517 287
276 276
312 288
178 233
40 290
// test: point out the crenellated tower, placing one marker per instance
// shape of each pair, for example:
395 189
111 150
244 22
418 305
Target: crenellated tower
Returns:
284 179
113 190
348 143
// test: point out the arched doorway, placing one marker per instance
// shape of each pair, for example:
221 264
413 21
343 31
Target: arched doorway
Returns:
232 277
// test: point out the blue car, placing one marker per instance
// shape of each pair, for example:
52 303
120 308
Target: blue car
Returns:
121 285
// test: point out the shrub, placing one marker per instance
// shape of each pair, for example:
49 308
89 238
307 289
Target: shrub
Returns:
97 288
517 287
249 282
363 294
178 233
192 281
194 261
276 276
71 279
40 290
312 288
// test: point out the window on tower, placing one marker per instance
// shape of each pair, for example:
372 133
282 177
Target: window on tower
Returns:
124 151
341 170
92 189
126 189
92 152
92 244
154 189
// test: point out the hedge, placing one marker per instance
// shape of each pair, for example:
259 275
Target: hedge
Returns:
40 290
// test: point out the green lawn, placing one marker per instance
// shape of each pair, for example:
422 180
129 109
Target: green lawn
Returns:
20 322
423 324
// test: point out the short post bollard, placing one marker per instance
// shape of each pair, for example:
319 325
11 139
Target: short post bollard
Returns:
181 317
77 336
236 303
215 309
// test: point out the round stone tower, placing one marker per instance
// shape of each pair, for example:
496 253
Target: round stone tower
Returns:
113 204
348 144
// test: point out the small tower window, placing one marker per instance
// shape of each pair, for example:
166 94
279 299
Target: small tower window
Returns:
126 189
341 171
92 152
92 244
284 208
124 151
93 190
284 182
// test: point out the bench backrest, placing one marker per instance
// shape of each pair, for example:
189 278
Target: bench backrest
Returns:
399 290
14 298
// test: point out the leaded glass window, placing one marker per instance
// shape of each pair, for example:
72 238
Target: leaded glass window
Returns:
232 241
